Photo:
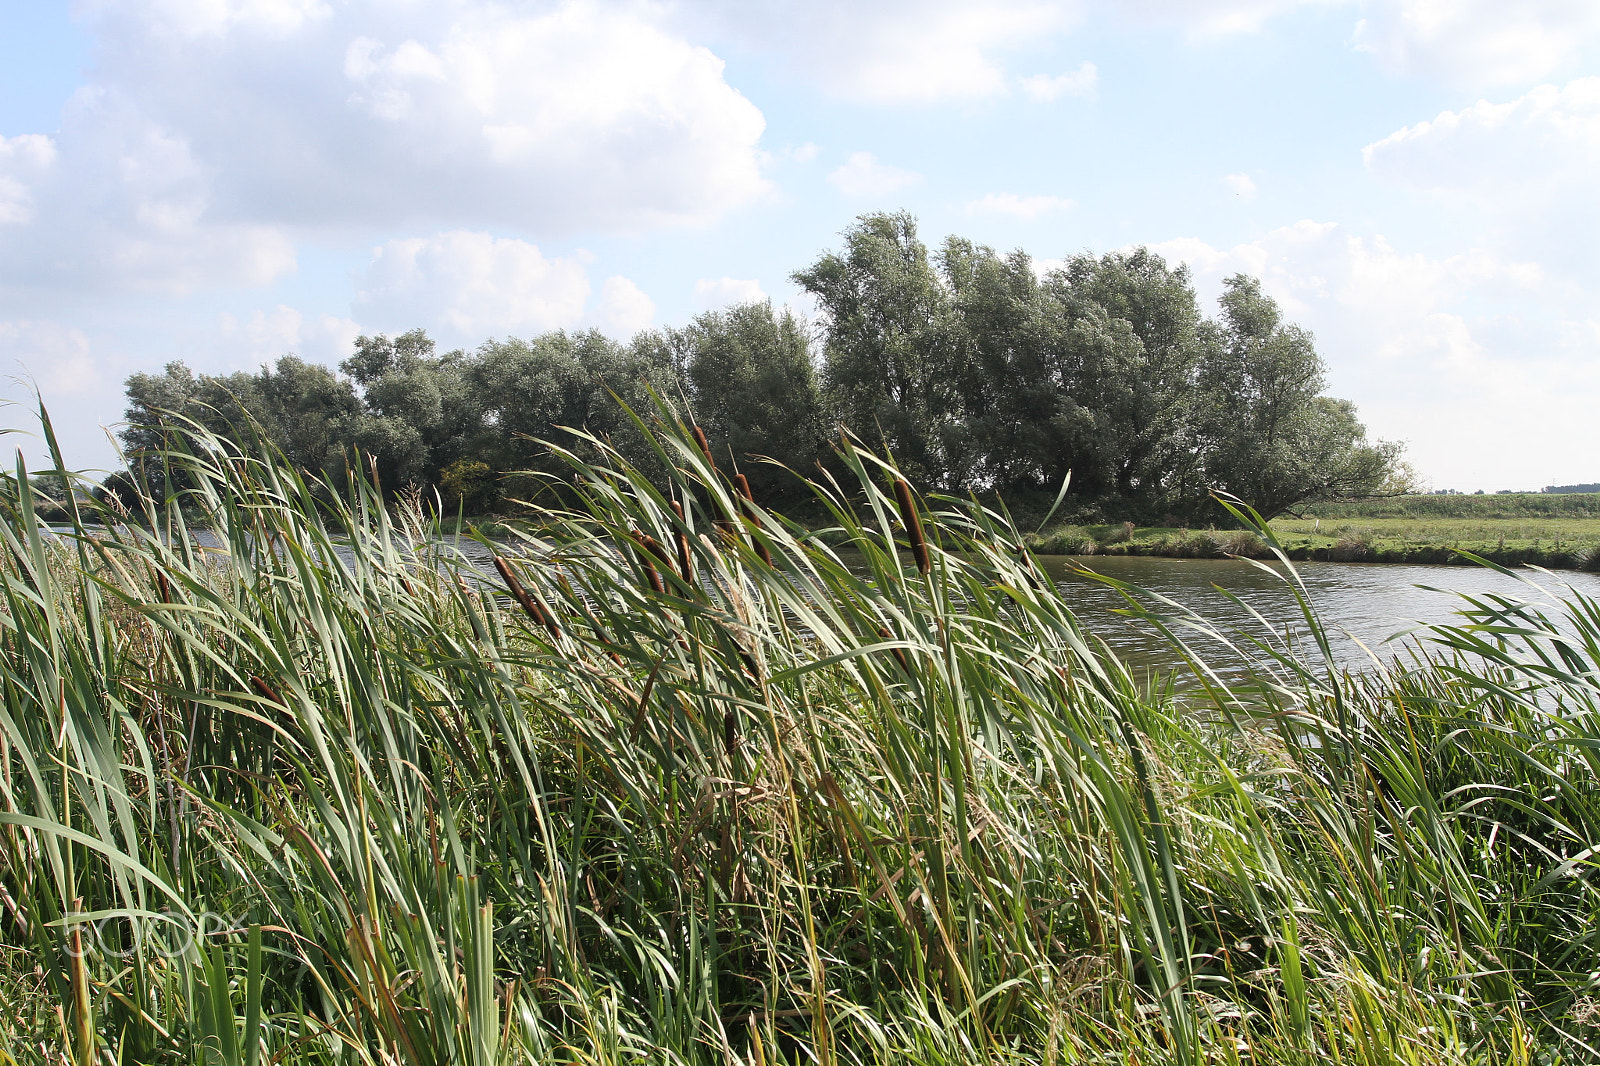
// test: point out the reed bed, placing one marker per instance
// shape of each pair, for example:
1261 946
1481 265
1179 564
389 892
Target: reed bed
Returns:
682 782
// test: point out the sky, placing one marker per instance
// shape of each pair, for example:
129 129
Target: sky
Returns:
222 182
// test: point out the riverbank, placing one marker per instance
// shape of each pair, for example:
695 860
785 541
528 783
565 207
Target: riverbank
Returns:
1526 529
1555 532
1369 541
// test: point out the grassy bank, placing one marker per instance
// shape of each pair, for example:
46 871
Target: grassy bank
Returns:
689 789
1565 538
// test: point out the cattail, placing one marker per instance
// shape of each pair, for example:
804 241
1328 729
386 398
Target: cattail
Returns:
898 653
913 523
748 502
705 446
650 547
163 587
685 560
535 610
266 691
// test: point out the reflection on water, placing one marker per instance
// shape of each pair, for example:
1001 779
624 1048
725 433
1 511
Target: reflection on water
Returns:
1366 602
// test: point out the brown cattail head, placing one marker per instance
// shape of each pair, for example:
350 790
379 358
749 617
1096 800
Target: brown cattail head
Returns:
705 446
898 653
649 547
748 503
685 559
266 691
913 523
163 587
534 609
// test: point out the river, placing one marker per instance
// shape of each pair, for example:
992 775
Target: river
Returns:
1359 603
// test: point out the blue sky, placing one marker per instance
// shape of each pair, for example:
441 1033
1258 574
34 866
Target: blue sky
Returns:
224 181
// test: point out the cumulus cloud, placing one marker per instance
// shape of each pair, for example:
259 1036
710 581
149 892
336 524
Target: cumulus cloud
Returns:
1473 43
1477 42
1494 151
465 286
1048 87
213 134
1432 349
624 308
1527 164
1027 208
893 51
115 200
863 175
720 292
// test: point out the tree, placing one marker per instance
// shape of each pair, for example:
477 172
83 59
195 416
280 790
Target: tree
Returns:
754 391
1268 435
403 425
890 357
1139 380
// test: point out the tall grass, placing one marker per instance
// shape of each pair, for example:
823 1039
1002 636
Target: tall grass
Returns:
680 781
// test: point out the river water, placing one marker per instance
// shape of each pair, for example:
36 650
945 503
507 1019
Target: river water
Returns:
1361 605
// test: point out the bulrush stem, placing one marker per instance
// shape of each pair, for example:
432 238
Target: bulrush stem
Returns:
83 1019
648 547
748 502
913 523
535 610
685 559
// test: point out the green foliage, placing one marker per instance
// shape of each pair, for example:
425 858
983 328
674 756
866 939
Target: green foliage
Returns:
892 362
754 392
349 800
965 366
975 374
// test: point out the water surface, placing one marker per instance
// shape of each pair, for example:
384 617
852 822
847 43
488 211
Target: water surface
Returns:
1358 603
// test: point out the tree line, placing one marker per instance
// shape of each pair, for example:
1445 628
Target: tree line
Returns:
977 373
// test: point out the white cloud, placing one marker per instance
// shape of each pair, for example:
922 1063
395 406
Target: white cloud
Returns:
894 51
624 308
116 201
804 153
214 133
1205 19
720 292
466 286
1527 165
24 161
1494 151
53 356
1047 87
1457 354
1477 42
1241 185
1027 208
863 175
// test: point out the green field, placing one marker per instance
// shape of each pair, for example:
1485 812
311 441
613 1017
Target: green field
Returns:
708 787
1560 532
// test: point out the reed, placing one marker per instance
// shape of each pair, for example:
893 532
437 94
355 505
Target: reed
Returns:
299 784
